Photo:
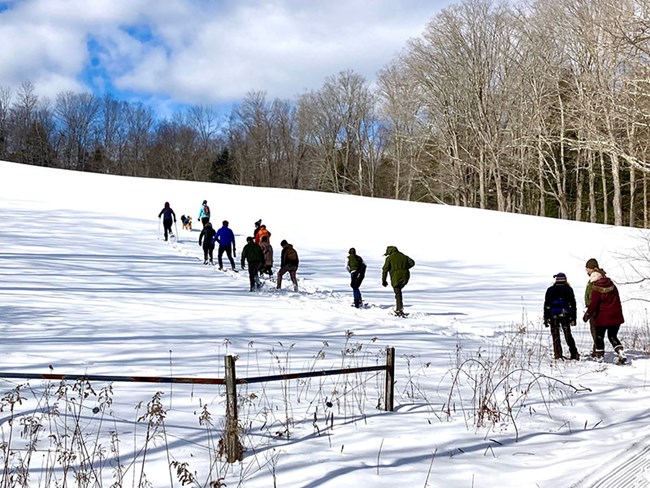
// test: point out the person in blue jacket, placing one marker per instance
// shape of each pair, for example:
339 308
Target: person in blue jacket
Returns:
168 216
204 213
226 239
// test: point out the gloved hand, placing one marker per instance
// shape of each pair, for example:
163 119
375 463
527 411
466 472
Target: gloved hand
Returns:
384 283
234 253
572 323
547 322
585 317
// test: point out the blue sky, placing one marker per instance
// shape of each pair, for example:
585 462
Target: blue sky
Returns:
210 52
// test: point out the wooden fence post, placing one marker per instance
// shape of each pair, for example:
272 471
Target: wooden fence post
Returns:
232 447
390 378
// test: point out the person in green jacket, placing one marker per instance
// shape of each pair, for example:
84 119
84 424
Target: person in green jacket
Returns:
253 254
398 265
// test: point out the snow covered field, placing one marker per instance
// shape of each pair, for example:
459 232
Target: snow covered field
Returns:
87 286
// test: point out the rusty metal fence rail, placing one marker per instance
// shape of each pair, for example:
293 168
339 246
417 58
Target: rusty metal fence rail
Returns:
233 448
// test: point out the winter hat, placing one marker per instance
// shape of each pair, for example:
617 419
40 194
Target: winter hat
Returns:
249 239
258 223
592 264
225 223
352 251
204 202
284 242
560 278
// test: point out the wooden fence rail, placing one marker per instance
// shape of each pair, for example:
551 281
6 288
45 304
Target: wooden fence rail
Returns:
233 447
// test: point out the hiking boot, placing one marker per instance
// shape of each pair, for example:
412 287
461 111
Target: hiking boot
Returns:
620 353
205 262
575 356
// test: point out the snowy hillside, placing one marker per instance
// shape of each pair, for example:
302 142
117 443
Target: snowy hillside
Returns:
88 286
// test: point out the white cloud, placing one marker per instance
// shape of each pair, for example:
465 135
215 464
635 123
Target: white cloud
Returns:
205 52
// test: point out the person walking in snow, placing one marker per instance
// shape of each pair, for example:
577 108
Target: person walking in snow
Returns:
397 265
206 239
204 213
607 313
357 269
252 253
267 251
226 239
169 217
590 266
560 314
257 229
289 263
262 232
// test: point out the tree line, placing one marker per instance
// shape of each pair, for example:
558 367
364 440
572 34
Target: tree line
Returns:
539 107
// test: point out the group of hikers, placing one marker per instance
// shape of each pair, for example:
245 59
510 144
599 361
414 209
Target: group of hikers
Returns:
258 255
602 301
603 312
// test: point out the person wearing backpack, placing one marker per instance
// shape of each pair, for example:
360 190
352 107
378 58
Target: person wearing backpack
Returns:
253 254
204 213
357 269
226 239
398 265
168 216
560 314
206 240
606 312
288 264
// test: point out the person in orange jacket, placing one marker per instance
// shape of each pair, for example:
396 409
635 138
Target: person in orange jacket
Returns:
263 231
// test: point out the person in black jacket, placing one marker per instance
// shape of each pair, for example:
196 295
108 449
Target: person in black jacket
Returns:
168 216
206 237
560 313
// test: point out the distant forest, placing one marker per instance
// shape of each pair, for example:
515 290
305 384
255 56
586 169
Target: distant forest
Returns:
539 107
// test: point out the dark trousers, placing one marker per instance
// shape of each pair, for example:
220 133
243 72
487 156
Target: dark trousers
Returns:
208 252
205 220
356 279
399 305
228 250
167 225
253 274
612 335
562 323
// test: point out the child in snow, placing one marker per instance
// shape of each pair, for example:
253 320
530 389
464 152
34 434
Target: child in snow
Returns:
357 269
168 216
560 313
206 239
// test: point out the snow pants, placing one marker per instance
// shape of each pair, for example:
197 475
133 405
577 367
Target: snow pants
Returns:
612 335
253 274
208 252
167 225
228 251
562 323
356 279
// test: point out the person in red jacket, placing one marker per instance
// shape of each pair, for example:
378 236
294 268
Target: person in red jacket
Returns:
606 312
